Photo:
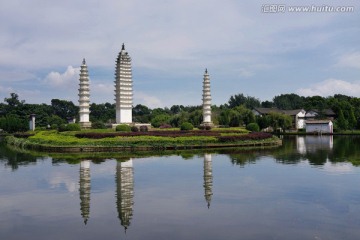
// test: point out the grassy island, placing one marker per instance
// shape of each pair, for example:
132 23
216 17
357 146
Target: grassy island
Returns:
111 141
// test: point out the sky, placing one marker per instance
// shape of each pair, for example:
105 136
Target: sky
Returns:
259 48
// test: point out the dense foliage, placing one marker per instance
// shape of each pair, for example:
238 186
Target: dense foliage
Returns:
237 112
123 128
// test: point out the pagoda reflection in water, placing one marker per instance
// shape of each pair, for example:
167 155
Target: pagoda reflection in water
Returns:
208 179
84 189
125 191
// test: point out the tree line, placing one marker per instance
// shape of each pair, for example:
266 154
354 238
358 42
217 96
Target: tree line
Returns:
14 113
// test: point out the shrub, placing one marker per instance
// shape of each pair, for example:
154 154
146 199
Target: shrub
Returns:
186 126
134 129
123 128
253 127
165 126
69 127
144 128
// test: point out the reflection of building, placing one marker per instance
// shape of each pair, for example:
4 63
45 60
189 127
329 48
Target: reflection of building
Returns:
308 143
84 189
125 191
208 179
123 87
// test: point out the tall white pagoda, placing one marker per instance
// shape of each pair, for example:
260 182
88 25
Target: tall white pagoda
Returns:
84 96
123 88
206 100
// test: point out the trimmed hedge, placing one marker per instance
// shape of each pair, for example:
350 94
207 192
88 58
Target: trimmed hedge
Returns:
69 127
186 126
250 136
253 127
123 128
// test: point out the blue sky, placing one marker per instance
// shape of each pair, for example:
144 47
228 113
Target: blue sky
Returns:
171 42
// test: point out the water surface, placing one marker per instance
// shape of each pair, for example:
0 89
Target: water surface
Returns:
306 189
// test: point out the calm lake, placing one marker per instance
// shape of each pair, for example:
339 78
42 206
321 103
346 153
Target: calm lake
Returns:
309 188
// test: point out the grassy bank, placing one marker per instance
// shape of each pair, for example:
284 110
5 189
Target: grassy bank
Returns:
101 141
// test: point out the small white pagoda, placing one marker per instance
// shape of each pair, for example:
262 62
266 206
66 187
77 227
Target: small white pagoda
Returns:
123 88
84 96
206 100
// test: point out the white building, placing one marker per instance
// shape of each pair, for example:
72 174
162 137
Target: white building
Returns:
206 98
319 126
84 96
123 88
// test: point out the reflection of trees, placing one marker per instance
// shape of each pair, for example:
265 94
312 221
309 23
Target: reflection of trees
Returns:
15 158
346 148
244 157
287 154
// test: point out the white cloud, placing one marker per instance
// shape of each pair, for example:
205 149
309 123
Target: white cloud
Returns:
68 79
58 179
147 100
349 60
338 168
330 87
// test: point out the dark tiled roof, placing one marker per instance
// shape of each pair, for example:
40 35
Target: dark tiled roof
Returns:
267 110
317 121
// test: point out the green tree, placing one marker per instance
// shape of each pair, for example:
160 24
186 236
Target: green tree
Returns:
240 99
64 109
288 101
279 120
160 119
12 123
342 124
102 112
141 113
14 101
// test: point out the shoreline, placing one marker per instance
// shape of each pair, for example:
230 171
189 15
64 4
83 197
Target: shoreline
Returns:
60 143
114 149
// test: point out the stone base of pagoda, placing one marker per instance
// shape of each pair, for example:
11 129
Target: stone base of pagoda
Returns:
138 125
85 125
207 124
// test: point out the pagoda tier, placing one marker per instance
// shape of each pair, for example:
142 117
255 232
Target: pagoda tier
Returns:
84 96
206 98
123 87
